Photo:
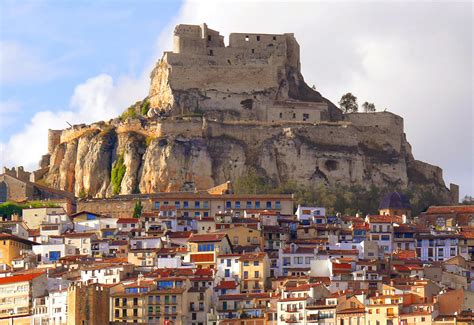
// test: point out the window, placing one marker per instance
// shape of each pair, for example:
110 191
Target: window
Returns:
246 274
246 263
247 38
209 38
237 204
274 38
281 115
258 38
197 204
206 204
257 274
135 312
177 204
294 115
205 247
157 205
229 262
277 205
305 117
185 204
268 205
257 204
248 205
228 205
253 51
255 263
227 273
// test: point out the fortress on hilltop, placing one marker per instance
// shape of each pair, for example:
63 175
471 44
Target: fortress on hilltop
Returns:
215 112
256 77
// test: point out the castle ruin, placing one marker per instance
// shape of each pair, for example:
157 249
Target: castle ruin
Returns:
255 77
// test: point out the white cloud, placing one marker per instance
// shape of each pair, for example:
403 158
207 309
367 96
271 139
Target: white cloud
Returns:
98 98
413 57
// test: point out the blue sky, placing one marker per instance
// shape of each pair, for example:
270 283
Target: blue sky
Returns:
66 42
83 61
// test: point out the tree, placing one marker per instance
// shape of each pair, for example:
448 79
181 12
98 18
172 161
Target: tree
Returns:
348 103
137 210
368 107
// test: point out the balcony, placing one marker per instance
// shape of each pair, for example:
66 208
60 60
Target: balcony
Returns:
292 319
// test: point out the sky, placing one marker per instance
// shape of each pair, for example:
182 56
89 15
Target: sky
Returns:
81 61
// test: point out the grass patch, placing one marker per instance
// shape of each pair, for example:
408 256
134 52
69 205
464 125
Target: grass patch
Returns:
117 174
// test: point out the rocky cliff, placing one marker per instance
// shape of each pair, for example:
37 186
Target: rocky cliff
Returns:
215 112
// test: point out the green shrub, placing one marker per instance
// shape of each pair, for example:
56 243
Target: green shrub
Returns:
129 113
137 209
148 140
9 208
82 193
145 107
118 171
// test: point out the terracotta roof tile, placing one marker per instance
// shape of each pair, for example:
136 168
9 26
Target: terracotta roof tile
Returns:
20 278
199 238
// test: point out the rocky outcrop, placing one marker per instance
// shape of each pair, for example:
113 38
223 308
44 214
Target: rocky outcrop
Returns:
215 112
348 153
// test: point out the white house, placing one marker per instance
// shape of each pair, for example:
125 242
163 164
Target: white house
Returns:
57 307
309 215
228 267
106 273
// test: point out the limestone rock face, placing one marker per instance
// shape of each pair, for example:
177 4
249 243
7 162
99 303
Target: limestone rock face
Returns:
215 112
210 153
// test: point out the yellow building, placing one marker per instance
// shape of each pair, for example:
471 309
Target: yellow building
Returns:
244 236
161 301
384 310
12 246
17 293
254 272
204 248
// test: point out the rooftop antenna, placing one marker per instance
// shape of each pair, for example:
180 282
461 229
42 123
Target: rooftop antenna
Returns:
69 123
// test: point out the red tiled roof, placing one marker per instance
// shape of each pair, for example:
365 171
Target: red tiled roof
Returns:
245 296
168 208
128 220
6 236
204 272
76 235
467 234
253 256
341 266
33 232
179 234
199 238
450 209
384 219
227 285
299 250
405 254
20 278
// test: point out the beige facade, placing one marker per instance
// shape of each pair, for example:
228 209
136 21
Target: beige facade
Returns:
190 204
18 292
